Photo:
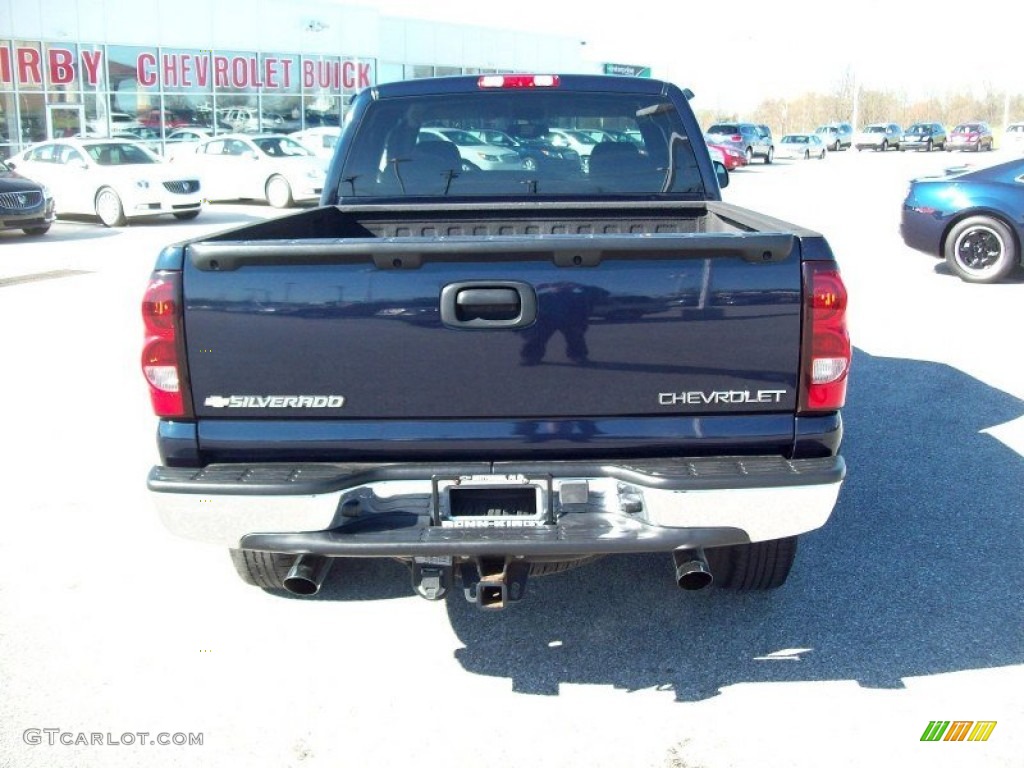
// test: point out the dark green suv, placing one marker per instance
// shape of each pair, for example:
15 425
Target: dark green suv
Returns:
926 136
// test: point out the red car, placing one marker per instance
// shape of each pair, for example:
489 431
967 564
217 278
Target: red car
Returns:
976 137
733 158
169 118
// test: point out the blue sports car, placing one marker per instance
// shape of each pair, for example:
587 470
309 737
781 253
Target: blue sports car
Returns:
975 219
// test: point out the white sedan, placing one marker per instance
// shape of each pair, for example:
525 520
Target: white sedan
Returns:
183 141
474 151
114 179
801 146
269 166
581 141
319 140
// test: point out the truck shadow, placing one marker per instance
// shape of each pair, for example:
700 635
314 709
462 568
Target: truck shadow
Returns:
917 573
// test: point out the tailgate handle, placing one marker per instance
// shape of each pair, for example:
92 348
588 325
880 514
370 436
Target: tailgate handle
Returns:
488 305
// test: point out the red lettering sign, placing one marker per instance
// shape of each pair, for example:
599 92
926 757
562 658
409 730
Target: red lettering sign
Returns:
254 73
24 65
170 68
91 65
62 70
5 65
220 71
29 71
202 70
238 72
270 72
145 69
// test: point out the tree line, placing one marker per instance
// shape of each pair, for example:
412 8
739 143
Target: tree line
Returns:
806 112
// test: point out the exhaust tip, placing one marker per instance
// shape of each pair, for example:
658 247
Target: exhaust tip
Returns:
307 575
692 571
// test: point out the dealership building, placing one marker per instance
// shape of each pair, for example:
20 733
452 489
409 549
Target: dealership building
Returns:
148 66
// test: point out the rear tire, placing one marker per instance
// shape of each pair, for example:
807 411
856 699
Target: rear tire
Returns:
770 156
186 215
34 231
265 570
761 565
981 249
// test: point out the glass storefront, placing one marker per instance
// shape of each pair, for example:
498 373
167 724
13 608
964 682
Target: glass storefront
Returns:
65 89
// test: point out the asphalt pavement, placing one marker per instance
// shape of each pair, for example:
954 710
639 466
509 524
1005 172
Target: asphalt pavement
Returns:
904 609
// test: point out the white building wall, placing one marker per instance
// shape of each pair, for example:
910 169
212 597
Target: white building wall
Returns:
303 26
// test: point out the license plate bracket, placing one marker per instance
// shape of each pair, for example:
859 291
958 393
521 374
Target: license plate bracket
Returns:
492 501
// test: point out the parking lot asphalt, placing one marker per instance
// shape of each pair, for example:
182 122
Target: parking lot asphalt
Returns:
904 609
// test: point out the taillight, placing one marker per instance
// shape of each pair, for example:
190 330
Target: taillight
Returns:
518 81
162 361
826 350
736 137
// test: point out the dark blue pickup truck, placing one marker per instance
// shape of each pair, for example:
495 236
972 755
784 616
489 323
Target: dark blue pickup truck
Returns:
491 369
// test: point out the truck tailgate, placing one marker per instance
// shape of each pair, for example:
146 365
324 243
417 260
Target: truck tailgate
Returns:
463 328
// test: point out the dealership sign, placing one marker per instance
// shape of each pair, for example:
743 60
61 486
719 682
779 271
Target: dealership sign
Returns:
628 70
24 65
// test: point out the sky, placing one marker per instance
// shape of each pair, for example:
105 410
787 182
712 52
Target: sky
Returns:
735 54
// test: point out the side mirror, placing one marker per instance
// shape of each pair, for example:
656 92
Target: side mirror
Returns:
11 164
78 163
722 173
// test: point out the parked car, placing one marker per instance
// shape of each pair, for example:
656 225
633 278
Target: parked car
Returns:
879 136
183 141
24 204
976 137
752 140
605 134
474 151
534 152
1013 138
802 146
765 135
111 123
731 157
926 136
114 179
250 120
835 136
141 134
267 166
579 141
319 140
970 217
169 119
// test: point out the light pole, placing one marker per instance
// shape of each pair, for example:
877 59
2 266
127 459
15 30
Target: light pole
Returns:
856 101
